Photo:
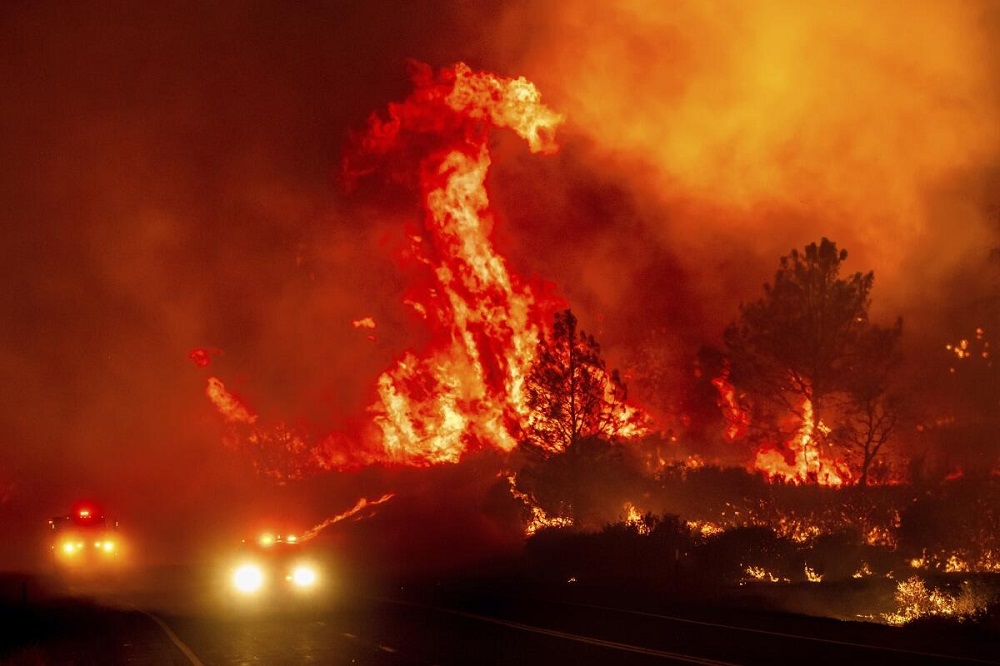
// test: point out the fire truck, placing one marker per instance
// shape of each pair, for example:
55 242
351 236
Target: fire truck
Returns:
84 539
276 572
273 562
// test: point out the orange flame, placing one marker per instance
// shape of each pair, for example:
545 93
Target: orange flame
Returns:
540 519
468 391
232 408
802 461
366 323
737 418
361 504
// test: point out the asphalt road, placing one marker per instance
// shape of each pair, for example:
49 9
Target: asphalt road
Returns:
169 619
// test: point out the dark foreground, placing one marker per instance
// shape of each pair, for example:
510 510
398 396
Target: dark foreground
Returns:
167 617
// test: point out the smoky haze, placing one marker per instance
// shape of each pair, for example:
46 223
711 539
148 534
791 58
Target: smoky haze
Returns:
170 182
738 132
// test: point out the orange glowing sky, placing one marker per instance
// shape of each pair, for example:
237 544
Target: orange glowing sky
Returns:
170 183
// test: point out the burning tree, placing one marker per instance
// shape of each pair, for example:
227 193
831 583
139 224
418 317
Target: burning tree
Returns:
574 468
570 392
585 485
465 391
805 356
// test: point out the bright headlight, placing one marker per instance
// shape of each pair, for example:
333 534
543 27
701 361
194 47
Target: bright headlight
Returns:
108 546
304 576
68 547
248 578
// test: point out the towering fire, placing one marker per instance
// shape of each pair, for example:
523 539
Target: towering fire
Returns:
466 390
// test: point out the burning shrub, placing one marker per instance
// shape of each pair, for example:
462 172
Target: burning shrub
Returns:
621 552
915 601
588 483
726 557
955 527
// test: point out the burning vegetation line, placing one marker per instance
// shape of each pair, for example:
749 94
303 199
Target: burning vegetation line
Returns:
539 518
361 504
916 600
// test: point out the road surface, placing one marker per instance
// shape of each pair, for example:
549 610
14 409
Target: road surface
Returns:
172 623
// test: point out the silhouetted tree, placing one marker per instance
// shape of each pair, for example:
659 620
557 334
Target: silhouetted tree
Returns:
808 345
571 393
588 482
870 416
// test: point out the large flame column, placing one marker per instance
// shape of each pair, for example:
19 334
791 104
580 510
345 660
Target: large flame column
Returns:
467 390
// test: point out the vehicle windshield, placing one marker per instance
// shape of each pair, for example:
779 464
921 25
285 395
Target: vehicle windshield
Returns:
81 520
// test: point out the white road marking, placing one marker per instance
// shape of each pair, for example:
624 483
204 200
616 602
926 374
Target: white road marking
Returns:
780 634
178 643
625 647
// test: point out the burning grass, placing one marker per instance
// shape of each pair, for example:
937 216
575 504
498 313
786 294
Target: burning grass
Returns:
718 529
915 600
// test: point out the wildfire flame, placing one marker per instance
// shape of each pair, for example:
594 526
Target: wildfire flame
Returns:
469 390
366 323
362 503
539 518
799 460
737 418
634 519
802 461
232 408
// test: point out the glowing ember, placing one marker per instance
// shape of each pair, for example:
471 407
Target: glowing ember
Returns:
232 408
202 357
797 529
965 349
864 571
705 528
964 561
